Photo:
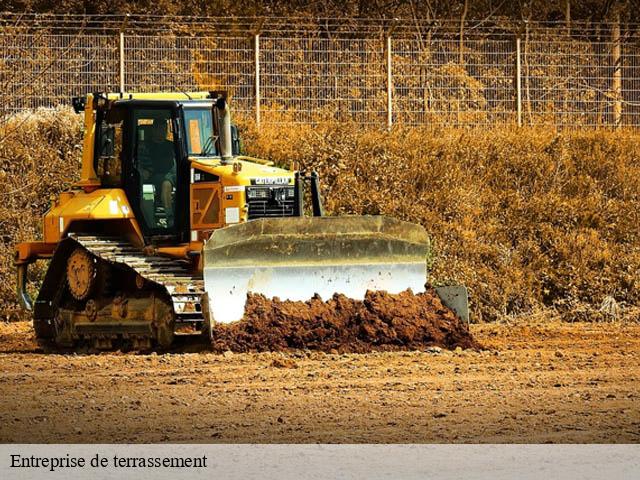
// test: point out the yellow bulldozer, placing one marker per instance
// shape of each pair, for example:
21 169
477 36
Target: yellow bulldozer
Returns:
170 227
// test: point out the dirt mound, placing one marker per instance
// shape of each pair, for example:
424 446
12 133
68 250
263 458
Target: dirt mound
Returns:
381 321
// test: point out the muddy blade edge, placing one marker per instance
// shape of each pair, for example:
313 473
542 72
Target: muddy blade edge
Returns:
295 258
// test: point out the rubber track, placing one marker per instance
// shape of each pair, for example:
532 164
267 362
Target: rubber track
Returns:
184 288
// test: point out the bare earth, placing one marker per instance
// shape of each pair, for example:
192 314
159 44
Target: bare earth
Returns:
537 382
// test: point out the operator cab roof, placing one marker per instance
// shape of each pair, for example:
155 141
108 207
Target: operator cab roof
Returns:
172 103
171 96
189 99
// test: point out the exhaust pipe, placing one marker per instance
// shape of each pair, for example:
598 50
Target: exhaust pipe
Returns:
224 129
316 200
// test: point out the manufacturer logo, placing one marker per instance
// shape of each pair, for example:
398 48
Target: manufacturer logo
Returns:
270 181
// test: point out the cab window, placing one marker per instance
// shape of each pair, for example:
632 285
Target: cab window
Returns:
156 165
199 129
108 163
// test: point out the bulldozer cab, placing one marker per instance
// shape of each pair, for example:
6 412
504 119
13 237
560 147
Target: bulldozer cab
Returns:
143 146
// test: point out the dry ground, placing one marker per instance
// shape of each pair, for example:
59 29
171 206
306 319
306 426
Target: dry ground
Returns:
551 382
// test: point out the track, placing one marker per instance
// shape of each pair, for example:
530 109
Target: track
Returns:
184 287
103 289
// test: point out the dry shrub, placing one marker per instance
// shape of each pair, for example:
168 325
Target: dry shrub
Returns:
39 157
528 219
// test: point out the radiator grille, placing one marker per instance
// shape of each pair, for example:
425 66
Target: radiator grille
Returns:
270 204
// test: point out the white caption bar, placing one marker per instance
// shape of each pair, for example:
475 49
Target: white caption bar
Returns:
284 462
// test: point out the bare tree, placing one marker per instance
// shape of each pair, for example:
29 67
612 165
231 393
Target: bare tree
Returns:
463 19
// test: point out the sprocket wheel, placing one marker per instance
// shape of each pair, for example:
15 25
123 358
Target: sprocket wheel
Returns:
81 273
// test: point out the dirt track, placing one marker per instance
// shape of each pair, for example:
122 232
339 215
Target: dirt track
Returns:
553 382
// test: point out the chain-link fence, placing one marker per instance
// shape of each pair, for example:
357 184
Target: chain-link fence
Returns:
368 73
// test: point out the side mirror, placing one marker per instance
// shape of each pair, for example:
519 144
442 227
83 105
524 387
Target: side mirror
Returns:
236 142
107 138
78 104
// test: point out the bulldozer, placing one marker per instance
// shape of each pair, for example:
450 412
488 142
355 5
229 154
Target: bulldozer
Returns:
170 227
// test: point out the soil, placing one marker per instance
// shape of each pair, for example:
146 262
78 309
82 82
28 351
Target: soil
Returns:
381 321
536 381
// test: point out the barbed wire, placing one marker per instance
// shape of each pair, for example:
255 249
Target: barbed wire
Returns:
493 27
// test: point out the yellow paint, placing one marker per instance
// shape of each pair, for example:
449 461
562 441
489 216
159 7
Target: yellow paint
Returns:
248 171
179 96
88 177
101 204
28 252
235 198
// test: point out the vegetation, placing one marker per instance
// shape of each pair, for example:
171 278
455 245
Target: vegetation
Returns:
528 219
544 10
39 157
531 220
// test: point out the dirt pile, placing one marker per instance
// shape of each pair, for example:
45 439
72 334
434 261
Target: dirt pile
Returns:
381 321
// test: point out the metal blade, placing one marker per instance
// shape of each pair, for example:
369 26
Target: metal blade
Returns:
295 258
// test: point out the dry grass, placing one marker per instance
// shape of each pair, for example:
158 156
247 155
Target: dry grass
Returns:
529 219
39 156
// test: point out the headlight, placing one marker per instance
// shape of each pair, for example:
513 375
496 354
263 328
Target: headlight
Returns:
257 193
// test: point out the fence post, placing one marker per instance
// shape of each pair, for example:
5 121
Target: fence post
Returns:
616 81
122 28
518 82
256 39
121 61
389 85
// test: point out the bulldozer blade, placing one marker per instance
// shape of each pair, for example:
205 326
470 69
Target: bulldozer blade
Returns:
297 257
456 298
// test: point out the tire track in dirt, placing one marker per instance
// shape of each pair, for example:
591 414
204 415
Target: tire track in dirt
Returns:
552 382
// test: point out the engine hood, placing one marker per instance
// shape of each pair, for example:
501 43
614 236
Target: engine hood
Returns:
249 172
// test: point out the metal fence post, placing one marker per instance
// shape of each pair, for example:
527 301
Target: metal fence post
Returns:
616 80
122 28
518 82
257 75
121 61
389 85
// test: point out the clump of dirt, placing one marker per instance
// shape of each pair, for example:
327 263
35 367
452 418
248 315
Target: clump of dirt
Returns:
17 337
381 321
